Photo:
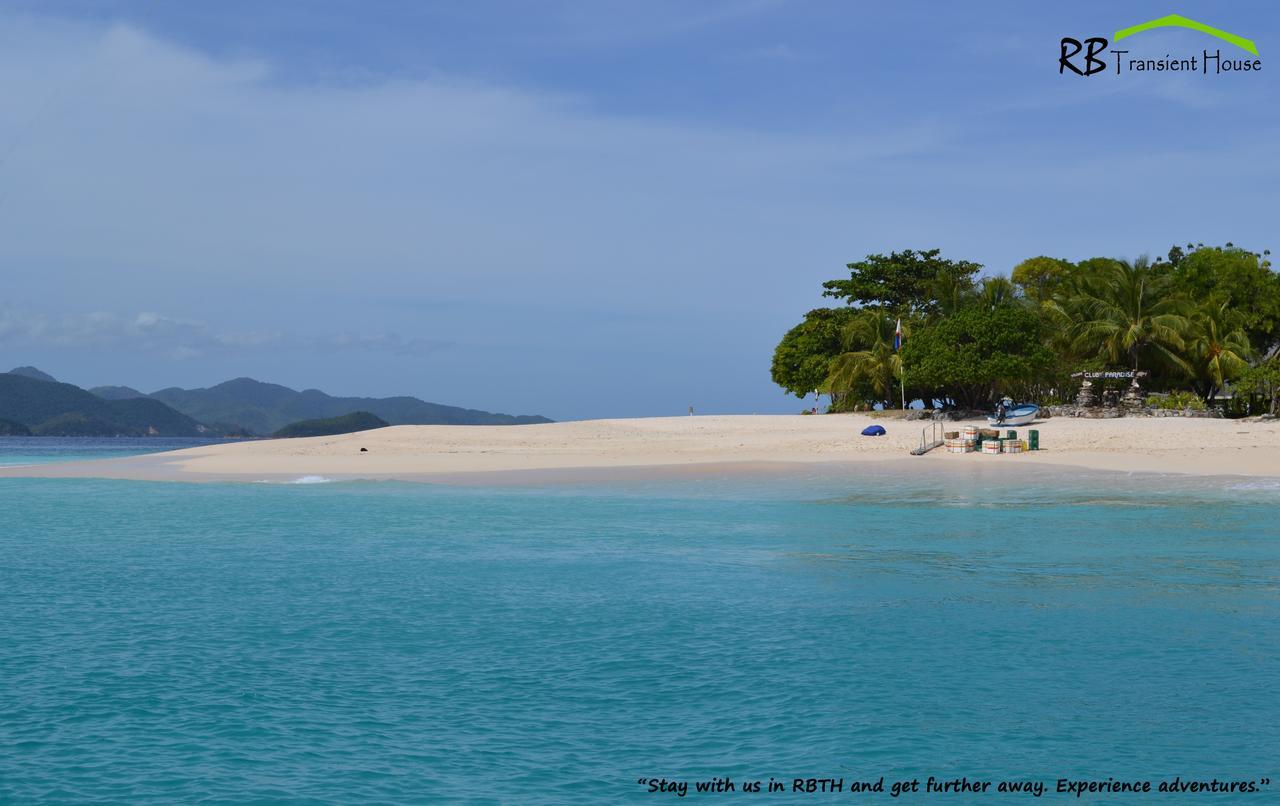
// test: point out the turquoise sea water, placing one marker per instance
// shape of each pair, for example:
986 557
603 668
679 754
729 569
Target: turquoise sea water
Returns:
39 450
392 642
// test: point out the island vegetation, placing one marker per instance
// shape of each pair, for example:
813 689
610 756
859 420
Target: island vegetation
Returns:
330 426
1198 321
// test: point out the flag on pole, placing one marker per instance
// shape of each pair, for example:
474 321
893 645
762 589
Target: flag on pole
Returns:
897 336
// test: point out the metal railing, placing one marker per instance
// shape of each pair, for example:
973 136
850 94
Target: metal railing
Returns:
930 437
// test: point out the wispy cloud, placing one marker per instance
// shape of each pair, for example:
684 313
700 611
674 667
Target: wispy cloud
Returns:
140 153
613 211
186 338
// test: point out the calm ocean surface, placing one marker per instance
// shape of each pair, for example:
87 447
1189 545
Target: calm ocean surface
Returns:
38 450
389 642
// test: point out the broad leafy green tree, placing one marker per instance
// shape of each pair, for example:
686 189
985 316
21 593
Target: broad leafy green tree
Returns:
977 354
1236 277
802 360
903 283
1041 277
1263 380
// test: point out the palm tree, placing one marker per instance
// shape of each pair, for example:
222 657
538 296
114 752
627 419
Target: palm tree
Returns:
869 363
996 292
951 292
1217 347
1125 312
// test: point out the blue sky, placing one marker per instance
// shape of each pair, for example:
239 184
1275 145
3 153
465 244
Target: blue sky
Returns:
585 209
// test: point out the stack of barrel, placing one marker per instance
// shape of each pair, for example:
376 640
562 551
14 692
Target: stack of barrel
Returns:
963 441
988 440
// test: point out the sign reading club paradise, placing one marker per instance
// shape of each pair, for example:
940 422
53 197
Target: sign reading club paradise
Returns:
1083 59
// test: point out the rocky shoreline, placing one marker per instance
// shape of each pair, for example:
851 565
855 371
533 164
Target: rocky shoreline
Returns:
1073 410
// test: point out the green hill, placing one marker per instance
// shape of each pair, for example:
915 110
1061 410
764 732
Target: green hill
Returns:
344 424
32 372
77 424
49 408
116 392
241 407
264 408
146 416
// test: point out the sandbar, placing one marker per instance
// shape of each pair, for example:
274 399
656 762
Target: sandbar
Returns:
675 446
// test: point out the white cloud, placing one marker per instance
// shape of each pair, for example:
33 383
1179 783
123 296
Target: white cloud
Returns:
548 236
142 154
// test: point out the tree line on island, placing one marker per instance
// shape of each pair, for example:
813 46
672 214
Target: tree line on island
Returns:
33 403
331 426
1197 321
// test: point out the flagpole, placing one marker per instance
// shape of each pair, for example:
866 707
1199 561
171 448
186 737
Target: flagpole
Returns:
902 370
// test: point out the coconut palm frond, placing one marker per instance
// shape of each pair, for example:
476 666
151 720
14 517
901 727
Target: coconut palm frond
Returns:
1125 312
870 363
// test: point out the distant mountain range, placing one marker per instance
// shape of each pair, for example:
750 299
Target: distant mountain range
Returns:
34 400
32 372
265 408
117 392
49 408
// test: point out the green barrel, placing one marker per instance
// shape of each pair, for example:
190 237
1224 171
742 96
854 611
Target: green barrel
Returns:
1011 434
1033 440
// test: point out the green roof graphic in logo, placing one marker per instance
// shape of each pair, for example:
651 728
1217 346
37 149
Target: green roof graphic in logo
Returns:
1179 21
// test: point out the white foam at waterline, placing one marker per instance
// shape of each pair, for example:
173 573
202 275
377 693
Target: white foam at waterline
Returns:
1260 484
299 480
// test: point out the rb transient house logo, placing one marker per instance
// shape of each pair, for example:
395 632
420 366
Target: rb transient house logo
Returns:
1093 55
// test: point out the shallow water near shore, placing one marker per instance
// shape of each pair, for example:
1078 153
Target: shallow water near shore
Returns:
24 451
396 642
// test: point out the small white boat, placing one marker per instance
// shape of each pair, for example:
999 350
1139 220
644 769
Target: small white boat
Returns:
1019 414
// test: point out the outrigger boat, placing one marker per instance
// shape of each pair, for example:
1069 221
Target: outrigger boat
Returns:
1014 414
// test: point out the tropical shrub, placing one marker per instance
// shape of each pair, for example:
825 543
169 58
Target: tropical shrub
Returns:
1176 401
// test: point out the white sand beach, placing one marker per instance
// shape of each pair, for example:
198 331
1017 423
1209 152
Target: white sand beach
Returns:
673 445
